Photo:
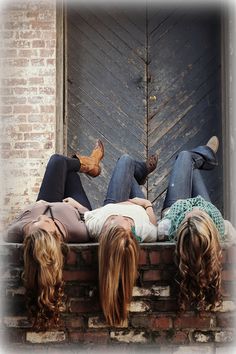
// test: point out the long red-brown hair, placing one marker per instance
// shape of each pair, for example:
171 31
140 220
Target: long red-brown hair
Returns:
199 256
42 276
118 262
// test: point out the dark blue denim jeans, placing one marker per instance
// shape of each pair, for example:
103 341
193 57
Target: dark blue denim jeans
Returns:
61 180
125 180
185 179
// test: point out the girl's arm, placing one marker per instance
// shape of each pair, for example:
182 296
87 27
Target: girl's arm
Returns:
141 202
75 204
230 232
151 215
163 229
147 205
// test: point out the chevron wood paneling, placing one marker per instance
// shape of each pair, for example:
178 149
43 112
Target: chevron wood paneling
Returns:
143 80
185 89
106 91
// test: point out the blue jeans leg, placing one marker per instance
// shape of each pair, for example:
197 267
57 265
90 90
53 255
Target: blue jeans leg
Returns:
123 184
61 180
140 171
198 186
136 190
183 181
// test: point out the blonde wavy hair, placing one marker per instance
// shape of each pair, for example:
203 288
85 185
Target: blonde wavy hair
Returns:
199 257
42 276
118 262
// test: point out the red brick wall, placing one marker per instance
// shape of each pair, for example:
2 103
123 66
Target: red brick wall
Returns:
28 79
153 318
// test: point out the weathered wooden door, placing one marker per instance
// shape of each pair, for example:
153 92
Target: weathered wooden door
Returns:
143 80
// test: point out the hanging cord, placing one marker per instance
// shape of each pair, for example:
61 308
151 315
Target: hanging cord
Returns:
81 216
52 217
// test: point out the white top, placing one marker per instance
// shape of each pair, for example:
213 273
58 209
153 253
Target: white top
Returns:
95 220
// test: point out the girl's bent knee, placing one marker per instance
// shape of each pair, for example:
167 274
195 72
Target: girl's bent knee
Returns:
56 158
126 158
184 154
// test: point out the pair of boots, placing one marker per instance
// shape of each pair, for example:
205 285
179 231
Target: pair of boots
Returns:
91 164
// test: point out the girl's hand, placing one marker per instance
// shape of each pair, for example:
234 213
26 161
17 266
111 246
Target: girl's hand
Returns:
75 204
41 201
70 201
140 201
147 205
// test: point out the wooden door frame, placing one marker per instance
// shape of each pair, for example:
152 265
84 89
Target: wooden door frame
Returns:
61 82
228 78
225 110
228 111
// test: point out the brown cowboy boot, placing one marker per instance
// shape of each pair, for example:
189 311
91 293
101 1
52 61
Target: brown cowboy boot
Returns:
90 164
151 164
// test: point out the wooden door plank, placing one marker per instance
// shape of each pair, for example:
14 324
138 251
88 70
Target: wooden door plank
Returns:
96 85
97 26
185 66
93 114
115 24
139 20
106 95
127 24
178 107
78 27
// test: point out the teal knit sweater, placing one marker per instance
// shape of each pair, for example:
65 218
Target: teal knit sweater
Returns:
177 212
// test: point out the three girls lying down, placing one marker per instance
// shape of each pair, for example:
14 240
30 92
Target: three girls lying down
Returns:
62 214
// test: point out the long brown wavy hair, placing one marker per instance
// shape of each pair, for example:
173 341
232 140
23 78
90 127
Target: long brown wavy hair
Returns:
199 257
42 276
118 261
